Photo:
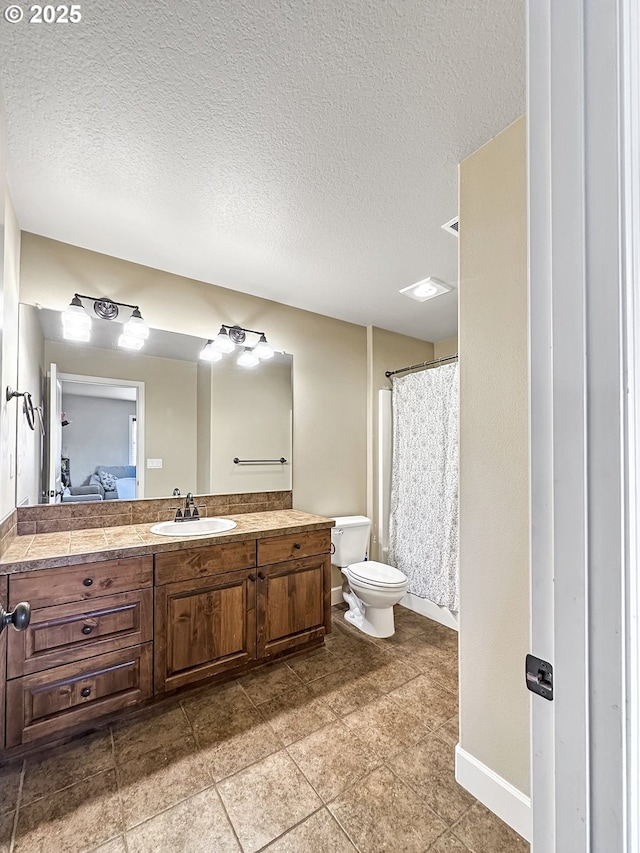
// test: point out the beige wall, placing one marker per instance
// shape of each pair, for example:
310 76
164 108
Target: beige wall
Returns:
170 391
442 349
494 502
9 275
329 356
386 351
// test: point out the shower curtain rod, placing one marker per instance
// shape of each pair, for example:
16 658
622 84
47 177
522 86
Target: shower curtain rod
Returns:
444 358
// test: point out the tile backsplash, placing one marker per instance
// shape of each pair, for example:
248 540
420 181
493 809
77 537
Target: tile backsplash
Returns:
8 529
81 516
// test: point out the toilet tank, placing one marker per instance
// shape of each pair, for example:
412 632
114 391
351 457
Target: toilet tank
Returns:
350 538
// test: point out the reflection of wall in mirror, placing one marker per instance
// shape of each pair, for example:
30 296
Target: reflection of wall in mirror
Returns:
255 404
31 373
170 406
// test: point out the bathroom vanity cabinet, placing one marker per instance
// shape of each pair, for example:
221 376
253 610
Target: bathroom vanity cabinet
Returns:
110 635
220 608
86 652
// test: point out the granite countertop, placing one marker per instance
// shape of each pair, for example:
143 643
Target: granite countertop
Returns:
49 550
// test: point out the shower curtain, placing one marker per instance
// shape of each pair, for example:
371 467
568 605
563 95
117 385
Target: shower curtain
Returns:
423 524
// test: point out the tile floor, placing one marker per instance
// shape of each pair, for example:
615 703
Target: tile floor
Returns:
348 748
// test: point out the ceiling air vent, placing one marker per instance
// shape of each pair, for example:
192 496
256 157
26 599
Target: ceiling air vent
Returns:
452 226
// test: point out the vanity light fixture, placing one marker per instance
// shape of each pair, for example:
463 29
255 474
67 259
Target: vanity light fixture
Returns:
223 342
426 289
76 321
248 358
231 336
209 353
263 348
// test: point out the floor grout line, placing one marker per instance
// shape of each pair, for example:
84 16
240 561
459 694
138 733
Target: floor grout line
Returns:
14 829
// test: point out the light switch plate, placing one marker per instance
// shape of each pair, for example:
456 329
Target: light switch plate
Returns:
154 463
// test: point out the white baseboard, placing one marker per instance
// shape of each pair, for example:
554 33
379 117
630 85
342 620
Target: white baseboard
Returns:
336 595
431 610
498 795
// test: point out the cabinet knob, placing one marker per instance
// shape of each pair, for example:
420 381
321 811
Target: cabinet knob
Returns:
88 581
86 691
87 629
297 546
252 578
19 617
261 575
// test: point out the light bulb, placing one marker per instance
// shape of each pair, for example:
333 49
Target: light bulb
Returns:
263 348
248 358
425 291
75 317
208 353
136 326
223 342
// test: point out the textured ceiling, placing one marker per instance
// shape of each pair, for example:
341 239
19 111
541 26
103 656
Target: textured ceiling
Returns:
298 150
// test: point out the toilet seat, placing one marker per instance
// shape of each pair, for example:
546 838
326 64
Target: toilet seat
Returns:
376 575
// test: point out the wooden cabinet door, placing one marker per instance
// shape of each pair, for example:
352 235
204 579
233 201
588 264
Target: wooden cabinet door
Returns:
4 589
294 601
203 627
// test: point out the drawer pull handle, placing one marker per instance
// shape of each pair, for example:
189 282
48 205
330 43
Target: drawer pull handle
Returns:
88 581
87 629
261 575
86 691
297 545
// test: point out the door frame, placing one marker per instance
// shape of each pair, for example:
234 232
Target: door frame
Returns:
584 256
140 415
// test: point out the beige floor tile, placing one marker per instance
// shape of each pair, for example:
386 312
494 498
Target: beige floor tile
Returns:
383 729
231 744
197 825
75 819
295 714
411 622
426 700
440 666
318 833
428 768
266 800
116 845
217 703
10 786
315 664
6 828
333 759
165 730
448 843
66 765
382 814
393 673
449 731
269 682
346 690
481 831
154 782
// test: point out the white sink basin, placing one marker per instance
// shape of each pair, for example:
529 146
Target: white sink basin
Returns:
200 527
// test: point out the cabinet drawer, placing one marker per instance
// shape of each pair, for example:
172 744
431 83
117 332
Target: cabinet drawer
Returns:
281 548
46 587
71 632
200 562
67 697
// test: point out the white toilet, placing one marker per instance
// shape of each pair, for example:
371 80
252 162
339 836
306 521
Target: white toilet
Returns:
373 587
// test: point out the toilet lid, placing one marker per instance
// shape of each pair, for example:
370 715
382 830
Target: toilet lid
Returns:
377 573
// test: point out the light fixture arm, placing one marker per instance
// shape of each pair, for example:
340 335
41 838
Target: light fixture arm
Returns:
106 299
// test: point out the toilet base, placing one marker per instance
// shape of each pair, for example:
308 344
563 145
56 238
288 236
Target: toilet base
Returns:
374 621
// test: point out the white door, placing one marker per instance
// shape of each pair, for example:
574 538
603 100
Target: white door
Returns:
584 246
54 436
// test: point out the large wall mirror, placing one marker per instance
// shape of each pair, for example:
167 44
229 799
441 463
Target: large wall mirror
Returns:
122 425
